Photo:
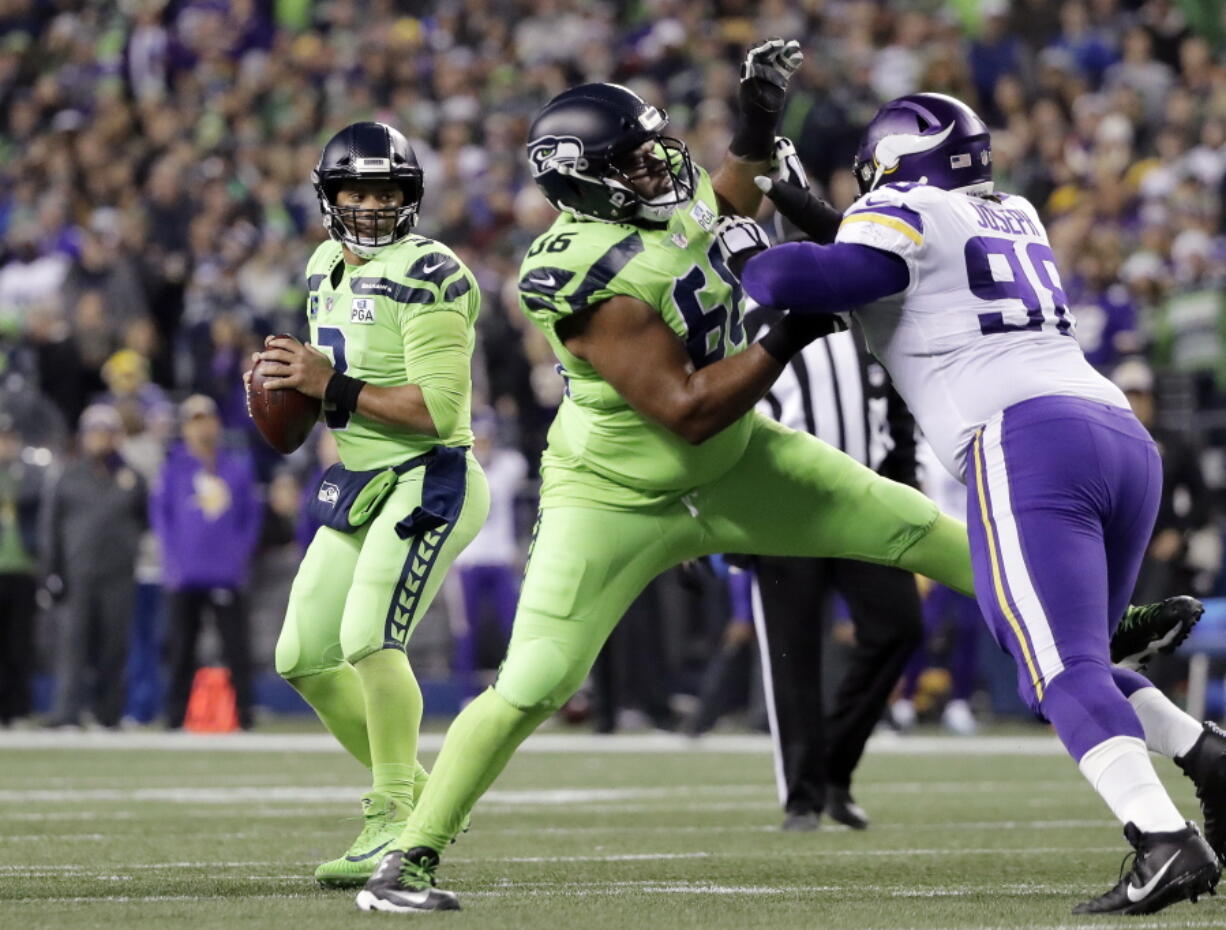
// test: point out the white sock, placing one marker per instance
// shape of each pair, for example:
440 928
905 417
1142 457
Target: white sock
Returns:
1121 773
1168 730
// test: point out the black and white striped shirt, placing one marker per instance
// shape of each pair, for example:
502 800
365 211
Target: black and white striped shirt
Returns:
839 393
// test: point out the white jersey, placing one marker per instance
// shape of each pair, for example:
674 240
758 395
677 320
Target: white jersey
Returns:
984 323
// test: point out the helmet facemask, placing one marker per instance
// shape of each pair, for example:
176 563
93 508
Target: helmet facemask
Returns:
663 158
368 231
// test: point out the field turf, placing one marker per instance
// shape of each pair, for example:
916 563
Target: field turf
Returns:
148 831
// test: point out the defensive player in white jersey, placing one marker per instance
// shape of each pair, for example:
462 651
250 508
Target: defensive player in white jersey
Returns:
956 290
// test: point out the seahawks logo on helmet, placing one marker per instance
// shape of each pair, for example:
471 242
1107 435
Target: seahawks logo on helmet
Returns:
547 152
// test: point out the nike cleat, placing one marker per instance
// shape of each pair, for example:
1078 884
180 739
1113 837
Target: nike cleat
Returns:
1205 764
1154 629
404 884
384 820
842 807
1166 868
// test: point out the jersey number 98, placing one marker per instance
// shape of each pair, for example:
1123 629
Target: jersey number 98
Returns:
1006 269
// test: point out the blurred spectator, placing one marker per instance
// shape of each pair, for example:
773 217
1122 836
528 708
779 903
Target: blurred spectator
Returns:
155 161
95 519
1185 553
489 567
206 512
22 489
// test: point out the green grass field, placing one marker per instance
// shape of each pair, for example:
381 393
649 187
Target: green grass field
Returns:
140 830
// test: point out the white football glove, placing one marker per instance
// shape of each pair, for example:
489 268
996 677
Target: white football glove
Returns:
785 164
774 60
739 238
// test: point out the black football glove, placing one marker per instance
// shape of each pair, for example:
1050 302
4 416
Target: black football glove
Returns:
766 70
765 73
797 330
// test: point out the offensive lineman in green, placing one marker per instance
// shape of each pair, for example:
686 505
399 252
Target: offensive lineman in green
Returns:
395 314
656 455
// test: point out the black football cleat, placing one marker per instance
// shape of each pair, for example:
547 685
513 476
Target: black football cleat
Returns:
842 807
404 884
1166 868
1153 629
1205 764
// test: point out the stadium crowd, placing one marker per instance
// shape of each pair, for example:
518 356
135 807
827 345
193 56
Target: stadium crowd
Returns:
156 210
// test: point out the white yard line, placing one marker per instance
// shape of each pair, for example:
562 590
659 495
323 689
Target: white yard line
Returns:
1037 744
112 868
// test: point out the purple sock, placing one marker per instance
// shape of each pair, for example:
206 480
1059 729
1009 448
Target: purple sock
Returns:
1086 708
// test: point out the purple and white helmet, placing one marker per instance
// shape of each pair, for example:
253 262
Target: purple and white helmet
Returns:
927 138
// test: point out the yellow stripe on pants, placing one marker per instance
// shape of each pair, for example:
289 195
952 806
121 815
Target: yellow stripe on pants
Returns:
997 582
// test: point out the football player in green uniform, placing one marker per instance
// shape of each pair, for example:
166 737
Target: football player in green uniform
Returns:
656 455
392 320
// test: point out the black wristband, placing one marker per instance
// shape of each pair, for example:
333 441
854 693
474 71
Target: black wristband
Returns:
795 331
761 107
342 392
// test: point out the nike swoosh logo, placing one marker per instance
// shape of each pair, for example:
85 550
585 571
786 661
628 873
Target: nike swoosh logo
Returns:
409 898
544 281
368 854
1140 894
430 269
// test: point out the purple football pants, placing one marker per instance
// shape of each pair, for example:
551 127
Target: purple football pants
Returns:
1061 499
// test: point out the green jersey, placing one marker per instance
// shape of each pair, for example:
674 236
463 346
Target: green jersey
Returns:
601 451
404 317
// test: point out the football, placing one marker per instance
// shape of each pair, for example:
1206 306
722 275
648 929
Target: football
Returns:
284 418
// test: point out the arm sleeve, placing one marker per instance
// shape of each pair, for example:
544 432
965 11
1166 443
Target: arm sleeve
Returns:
436 358
808 278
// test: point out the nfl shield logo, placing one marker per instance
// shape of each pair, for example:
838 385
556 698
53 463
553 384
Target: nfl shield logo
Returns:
328 302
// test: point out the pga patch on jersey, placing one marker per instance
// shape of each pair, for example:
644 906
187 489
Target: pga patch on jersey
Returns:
362 310
703 215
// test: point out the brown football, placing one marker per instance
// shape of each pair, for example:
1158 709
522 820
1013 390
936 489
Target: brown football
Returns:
284 418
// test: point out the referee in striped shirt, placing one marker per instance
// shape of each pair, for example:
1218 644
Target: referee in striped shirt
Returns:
835 390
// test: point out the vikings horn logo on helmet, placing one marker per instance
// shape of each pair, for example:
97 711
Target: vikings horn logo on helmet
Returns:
890 150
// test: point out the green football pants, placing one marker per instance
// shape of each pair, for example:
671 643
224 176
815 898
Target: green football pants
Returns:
357 593
789 495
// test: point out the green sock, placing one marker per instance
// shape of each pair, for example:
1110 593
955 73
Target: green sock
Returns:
336 696
393 717
479 743
944 555
420 777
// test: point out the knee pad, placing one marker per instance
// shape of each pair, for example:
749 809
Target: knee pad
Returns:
287 653
536 675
